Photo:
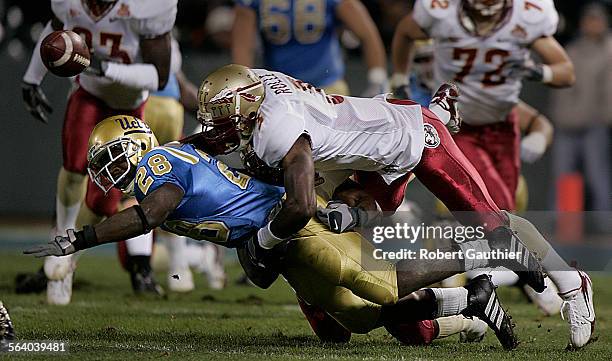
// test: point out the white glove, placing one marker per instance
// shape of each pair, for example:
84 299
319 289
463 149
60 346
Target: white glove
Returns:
338 216
377 83
60 246
533 147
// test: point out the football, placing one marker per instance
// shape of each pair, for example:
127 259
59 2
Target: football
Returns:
64 53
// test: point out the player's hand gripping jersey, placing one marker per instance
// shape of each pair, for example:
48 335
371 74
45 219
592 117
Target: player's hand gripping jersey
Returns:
220 204
115 36
346 133
481 65
299 38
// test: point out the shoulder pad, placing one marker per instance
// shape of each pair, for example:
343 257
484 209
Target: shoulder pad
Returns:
437 8
148 9
533 12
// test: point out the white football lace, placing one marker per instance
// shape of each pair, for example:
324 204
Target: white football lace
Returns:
572 312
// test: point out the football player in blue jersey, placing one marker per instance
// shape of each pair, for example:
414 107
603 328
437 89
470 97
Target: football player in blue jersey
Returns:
186 191
300 38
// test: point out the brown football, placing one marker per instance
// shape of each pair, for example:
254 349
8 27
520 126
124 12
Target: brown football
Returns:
64 53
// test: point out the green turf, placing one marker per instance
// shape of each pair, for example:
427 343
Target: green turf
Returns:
105 321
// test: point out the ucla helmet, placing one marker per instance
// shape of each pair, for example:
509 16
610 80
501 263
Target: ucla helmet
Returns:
116 145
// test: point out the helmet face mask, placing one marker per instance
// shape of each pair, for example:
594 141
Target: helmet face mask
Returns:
229 101
476 12
116 146
110 165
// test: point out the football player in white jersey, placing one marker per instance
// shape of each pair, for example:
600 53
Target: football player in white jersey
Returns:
297 127
484 46
130 41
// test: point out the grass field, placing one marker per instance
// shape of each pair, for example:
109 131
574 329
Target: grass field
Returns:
105 321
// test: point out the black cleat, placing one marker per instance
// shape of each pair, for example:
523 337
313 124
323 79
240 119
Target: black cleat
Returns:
31 282
7 331
528 268
141 276
484 304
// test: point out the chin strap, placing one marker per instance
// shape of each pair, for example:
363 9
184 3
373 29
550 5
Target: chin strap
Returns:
146 227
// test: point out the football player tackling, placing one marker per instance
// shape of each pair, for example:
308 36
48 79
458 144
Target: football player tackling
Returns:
186 191
297 127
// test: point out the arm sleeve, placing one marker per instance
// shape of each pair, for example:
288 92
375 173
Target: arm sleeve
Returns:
151 25
36 69
139 76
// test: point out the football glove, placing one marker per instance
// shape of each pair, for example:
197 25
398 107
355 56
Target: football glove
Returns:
533 146
36 102
97 67
65 245
530 70
338 216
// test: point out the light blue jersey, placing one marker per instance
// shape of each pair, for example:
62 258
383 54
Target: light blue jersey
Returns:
299 38
220 204
171 90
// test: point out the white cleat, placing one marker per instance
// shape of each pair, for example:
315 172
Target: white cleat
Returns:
548 301
56 268
59 292
474 330
211 264
579 312
180 280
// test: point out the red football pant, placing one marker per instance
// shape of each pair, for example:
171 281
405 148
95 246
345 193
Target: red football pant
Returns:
83 112
494 151
449 175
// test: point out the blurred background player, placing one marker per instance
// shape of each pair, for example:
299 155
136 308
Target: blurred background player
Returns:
483 45
131 43
300 39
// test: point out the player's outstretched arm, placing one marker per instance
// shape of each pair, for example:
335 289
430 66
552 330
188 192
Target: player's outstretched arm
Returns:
300 204
554 56
130 222
406 32
243 36
356 18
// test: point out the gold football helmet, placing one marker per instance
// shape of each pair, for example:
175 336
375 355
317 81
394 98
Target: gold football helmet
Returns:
229 100
116 145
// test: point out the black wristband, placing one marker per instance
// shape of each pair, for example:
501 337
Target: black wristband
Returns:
146 228
85 239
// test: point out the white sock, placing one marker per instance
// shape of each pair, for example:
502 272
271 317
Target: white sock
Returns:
451 301
565 277
141 245
503 278
195 256
177 249
65 216
449 325
481 245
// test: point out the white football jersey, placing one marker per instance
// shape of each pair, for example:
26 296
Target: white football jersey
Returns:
115 36
346 133
479 65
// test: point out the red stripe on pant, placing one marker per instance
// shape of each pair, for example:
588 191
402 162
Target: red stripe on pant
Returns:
494 151
449 175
